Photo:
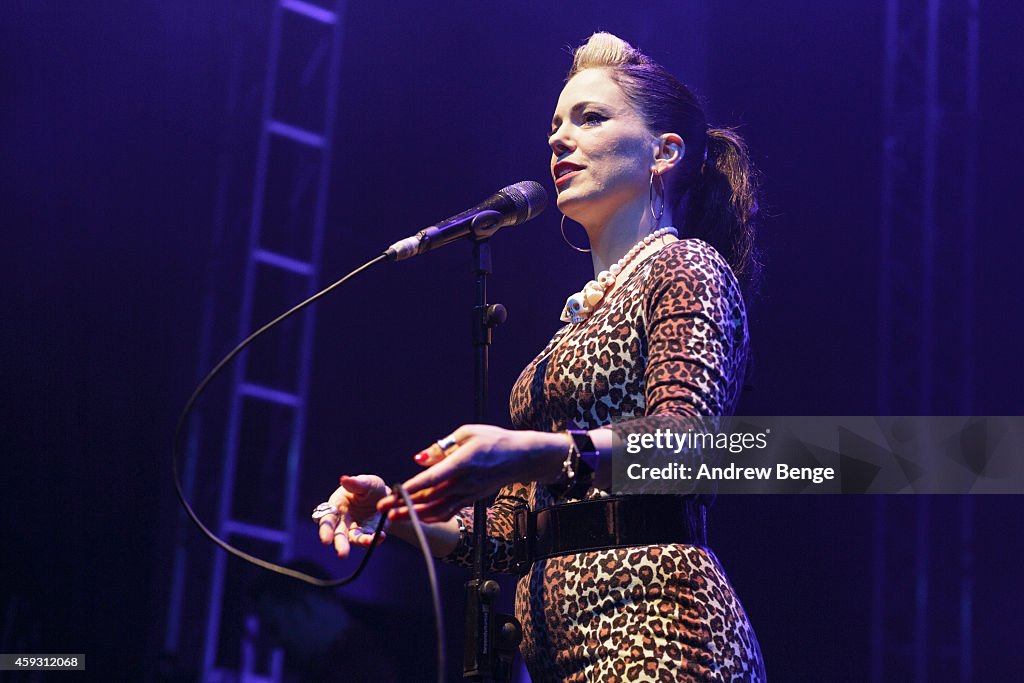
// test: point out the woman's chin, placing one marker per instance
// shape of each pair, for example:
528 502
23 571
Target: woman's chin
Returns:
571 206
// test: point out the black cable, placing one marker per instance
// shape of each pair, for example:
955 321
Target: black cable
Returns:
435 592
286 571
270 566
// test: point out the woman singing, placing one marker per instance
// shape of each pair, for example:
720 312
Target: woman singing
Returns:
657 338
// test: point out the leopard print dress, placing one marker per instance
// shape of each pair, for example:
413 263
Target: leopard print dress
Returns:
667 344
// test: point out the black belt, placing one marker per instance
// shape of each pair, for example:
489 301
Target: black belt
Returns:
606 523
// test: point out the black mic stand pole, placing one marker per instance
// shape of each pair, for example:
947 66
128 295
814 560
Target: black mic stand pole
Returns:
491 638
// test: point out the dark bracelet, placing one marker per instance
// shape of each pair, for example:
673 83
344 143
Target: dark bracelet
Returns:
587 453
579 466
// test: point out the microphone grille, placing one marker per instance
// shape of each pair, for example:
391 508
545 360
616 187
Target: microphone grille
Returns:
530 199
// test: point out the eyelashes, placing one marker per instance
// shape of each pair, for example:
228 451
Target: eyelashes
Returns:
587 118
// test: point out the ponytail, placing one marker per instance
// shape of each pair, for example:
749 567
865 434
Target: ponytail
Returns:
722 208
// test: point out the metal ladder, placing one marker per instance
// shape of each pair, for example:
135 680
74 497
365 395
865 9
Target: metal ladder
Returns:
285 236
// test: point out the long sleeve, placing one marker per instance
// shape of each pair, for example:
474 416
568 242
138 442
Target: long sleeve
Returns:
499 530
696 327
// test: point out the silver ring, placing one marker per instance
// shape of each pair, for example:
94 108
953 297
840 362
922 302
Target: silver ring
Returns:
328 522
322 510
447 443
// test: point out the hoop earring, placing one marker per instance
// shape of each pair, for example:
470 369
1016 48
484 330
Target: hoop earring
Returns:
566 239
661 211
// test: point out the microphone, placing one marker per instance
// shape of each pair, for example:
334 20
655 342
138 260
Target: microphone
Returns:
511 205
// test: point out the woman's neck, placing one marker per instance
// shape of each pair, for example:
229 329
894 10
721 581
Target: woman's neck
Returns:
611 239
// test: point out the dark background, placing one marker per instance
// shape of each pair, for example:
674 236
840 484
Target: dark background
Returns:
116 119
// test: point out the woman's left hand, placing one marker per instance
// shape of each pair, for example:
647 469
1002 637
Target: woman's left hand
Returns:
484 459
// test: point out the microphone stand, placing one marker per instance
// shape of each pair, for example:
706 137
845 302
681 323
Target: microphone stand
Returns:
491 638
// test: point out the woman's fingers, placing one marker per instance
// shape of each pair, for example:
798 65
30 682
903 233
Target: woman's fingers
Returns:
341 544
443 447
328 523
436 511
334 530
362 534
326 527
359 485
433 504
418 492
356 519
438 477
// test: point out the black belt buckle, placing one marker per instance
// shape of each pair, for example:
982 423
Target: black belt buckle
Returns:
522 541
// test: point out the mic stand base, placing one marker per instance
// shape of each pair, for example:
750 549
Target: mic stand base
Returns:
490 659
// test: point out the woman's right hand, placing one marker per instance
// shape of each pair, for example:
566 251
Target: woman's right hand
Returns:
356 500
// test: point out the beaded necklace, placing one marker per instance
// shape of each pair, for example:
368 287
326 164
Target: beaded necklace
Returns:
580 305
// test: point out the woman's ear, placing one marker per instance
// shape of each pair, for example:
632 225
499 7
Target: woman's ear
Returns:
669 152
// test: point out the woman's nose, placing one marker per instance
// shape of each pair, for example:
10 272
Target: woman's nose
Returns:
559 142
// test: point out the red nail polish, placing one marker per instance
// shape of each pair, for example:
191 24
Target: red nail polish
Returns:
421 456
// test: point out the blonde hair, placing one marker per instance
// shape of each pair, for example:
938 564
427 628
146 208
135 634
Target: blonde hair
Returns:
604 50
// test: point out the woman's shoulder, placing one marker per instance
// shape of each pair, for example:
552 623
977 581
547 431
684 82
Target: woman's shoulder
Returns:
691 253
693 261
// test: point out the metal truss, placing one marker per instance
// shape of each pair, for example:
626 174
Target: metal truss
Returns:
923 549
262 442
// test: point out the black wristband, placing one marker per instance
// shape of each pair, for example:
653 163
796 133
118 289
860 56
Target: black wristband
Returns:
581 461
585 447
